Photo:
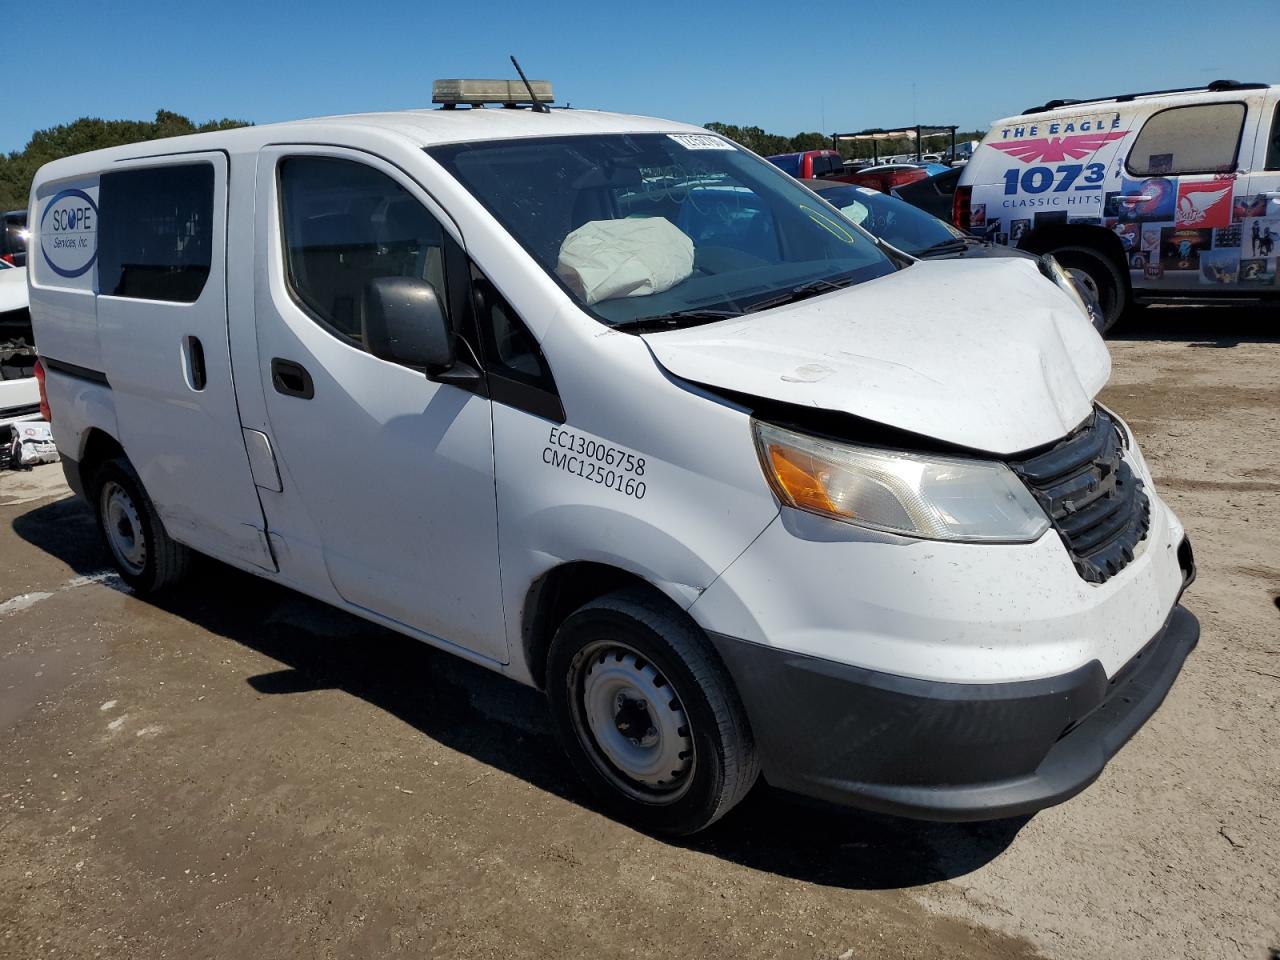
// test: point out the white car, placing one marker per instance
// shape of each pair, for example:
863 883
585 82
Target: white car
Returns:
1146 197
634 417
19 392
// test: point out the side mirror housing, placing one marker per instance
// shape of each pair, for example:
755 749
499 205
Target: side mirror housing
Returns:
404 322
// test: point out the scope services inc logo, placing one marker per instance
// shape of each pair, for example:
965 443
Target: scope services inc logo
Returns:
69 233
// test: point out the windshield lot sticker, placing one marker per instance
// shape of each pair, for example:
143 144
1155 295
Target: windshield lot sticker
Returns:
69 233
700 141
596 462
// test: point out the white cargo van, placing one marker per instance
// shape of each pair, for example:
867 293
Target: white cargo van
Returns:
618 409
1145 197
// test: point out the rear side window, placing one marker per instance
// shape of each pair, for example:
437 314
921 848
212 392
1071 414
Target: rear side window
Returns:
824 166
1204 138
155 232
346 224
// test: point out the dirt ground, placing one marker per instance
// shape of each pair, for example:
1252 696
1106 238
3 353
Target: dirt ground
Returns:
239 771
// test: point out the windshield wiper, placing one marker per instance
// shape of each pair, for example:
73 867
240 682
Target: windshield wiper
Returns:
951 245
801 292
678 318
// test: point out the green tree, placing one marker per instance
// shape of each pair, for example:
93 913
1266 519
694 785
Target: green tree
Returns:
88 133
811 141
753 138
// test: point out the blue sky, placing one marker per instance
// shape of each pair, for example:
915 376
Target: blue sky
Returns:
745 62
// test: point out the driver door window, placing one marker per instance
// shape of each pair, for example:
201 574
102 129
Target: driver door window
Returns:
345 224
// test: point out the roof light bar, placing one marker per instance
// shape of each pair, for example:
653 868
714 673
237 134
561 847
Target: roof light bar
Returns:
479 93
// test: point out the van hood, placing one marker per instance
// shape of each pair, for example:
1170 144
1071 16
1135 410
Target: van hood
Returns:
985 354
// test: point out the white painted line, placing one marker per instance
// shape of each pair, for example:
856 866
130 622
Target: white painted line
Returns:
24 601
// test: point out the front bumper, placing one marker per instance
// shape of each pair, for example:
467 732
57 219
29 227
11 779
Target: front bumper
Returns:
947 751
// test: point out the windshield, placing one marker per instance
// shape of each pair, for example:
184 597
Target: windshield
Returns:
644 226
894 221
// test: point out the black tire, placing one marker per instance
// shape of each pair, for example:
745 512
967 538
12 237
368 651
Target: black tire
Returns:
1104 274
160 561
723 765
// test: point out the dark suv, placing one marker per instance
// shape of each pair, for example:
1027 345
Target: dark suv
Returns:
13 237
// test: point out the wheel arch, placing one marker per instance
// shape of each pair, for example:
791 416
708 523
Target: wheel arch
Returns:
1042 240
563 589
96 449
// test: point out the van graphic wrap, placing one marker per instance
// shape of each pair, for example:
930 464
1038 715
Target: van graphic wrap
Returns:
1177 227
69 233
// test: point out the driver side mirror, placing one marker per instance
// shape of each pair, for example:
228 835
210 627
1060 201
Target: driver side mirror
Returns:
404 322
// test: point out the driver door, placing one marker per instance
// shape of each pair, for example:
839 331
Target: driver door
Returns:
385 473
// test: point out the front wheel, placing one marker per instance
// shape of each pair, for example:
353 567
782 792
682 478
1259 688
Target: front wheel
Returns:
648 714
1099 274
147 558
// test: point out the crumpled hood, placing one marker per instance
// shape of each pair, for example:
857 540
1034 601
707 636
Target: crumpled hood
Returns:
985 354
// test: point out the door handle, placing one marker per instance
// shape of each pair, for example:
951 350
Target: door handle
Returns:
292 379
195 363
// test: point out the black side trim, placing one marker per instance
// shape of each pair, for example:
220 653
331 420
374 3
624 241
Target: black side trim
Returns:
73 370
75 480
522 396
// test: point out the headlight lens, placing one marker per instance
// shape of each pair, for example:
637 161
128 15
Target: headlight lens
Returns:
1058 274
933 498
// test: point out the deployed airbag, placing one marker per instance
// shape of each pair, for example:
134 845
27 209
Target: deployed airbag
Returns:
608 259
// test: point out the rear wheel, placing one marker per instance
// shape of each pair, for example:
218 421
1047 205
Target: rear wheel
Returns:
147 559
1099 274
648 714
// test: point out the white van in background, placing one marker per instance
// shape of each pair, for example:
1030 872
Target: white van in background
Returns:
19 392
1147 196
640 421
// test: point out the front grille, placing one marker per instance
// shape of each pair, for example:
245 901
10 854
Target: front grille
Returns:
1091 494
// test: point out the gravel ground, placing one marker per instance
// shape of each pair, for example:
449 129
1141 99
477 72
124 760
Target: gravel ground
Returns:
241 771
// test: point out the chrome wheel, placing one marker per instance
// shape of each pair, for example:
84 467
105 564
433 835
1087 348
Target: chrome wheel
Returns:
1086 281
632 723
122 524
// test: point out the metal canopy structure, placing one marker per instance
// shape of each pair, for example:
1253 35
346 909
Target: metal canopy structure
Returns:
877 135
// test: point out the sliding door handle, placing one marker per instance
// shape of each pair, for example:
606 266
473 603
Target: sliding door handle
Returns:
194 351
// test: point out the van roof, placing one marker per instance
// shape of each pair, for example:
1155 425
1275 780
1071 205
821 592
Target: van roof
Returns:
422 127
1182 94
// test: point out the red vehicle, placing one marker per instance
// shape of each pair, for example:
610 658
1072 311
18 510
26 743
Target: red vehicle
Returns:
887 176
811 164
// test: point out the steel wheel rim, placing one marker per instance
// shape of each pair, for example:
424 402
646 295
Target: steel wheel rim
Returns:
631 722
122 525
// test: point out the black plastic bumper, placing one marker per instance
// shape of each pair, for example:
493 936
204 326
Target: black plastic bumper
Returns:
946 751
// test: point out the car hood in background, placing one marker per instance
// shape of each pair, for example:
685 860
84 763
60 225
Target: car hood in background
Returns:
983 251
985 354
13 288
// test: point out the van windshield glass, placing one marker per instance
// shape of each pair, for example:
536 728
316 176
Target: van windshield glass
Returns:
663 230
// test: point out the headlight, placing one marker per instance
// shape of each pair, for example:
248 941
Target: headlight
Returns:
933 498
1052 269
